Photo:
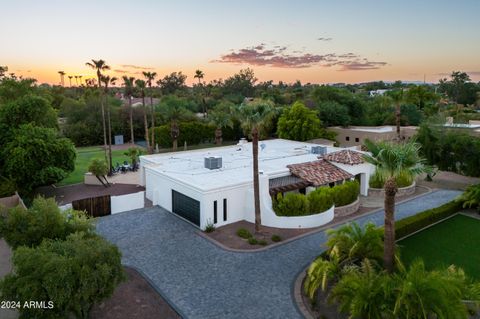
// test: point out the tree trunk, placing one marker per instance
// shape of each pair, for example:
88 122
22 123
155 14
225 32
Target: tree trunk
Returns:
256 186
218 136
145 123
389 237
397 120
132 138
152 140
109 121
103 121
174 133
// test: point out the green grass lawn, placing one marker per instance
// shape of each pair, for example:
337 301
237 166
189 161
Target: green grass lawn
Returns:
454 241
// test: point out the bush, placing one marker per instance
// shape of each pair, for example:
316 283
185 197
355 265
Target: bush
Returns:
209 228
252 241
243 233
276 238
292 204
98 167
320 199
409 225
193 133
262 242
345 193
73 274
43 220
377 181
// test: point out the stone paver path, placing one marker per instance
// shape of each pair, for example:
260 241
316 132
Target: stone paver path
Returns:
204 281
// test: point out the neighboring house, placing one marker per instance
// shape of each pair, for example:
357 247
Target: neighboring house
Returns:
215 185
356 135
472 128
379 92
137 101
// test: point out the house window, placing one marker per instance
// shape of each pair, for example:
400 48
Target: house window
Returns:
224 209
215 212
357 139
347 138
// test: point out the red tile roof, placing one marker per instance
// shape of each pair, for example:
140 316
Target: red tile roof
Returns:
345 157
319 172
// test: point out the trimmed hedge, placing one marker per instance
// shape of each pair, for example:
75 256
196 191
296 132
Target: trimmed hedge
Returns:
376 181
318 201
409 225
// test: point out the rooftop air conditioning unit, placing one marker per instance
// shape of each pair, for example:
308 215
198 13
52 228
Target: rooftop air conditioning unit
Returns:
213 162
319 150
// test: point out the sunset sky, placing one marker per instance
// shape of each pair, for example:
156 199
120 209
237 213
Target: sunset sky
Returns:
312 41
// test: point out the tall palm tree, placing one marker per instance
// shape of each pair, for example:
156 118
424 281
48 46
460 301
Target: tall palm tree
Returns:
199 75
253 116
392 160
80 79
100 66
398 99
107 80
62 76
150 77
129 88
76 80
141 86
221 117
70 80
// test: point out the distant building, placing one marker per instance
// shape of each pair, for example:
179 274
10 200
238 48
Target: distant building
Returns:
356 135
472 128
379 92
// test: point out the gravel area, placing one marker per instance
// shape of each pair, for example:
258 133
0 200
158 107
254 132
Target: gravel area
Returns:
203 280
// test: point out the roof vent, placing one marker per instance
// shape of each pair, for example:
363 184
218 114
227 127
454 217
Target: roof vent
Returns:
319 150
213 162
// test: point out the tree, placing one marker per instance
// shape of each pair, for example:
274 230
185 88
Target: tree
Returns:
141 85
299 123
62 77
36 156
129 88
199 76
173 110
333 114
242 83
392 160
253 116
107 80
459 88
3 70
133 153
221 118
471 197
99 168
397 100
73 274
70 80
100 66
173 82
150 77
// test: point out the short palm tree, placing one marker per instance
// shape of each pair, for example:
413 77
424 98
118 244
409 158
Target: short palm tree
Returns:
253 116
221 118
150 77
392 160
100 66
107 80
471 197
129 88
141 86
173 113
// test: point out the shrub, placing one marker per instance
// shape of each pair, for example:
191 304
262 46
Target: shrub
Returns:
193 133
471 197
292 204
345 193
252 241
276 238
243 233
377 181
73 274
42 220
210 227
320 200
409 225
262 242
98 167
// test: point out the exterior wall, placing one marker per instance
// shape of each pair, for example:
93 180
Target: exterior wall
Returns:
352 134
365 170
347 209
380 192
12 201
127 202
90 179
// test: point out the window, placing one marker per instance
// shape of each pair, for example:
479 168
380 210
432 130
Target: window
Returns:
347 138
224 209
214 211
357 139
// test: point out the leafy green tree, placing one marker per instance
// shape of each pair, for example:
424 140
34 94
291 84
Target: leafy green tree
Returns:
299 123
421 96
73 274
36 156
99 168
392 160
241 84
172 83
253 116
333 114
342 96
459 88
12 89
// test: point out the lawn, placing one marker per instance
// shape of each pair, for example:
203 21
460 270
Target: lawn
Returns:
84 156
454 241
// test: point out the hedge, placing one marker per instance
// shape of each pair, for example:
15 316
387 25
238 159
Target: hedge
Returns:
377 181
345 193
409 225
293 204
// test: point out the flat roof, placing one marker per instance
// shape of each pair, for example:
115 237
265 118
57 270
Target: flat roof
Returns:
374 129
188 166
462 125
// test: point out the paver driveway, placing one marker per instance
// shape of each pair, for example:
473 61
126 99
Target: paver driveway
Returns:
205 281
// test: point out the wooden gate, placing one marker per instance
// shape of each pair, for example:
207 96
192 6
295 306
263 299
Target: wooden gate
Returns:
94 206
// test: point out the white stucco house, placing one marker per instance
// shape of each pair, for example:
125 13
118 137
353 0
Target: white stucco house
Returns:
215 185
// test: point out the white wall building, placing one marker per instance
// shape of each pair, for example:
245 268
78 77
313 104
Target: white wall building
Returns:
181 183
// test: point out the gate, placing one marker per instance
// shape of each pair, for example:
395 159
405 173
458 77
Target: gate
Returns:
94 206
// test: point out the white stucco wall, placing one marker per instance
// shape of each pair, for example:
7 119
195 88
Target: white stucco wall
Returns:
127 202
365 169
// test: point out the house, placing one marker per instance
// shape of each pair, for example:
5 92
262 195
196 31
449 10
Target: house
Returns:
215 185
356 135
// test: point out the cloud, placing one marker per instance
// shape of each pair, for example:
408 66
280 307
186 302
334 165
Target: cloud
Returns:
137 67
280 57
120 71
324 39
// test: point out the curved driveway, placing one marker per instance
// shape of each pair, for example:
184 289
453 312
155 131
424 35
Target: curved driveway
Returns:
203 280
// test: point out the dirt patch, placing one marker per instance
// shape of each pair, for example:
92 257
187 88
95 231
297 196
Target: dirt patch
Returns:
448 180
134 298
67 194
320 307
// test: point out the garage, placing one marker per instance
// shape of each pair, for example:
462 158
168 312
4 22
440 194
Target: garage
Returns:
186 207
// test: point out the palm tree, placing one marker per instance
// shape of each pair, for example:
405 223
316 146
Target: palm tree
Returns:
141 85
99 66
107 80
397 98
150 77
129 88
62 75
76 80
392 160
80 79
174 112
253 116
199 75
70 80
221 118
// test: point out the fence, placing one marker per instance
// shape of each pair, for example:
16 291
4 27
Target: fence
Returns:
94 206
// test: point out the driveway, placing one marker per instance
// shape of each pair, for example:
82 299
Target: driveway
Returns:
202 280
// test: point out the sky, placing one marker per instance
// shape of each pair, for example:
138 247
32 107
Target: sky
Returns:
312 41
